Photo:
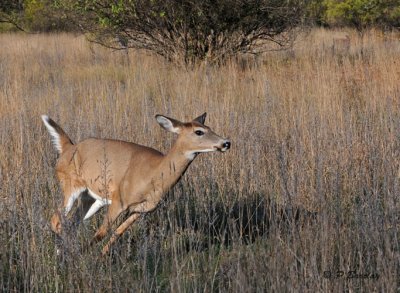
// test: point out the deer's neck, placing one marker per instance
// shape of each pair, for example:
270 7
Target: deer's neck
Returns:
174 165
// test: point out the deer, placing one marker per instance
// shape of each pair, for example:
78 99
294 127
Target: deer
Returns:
341 44
139 176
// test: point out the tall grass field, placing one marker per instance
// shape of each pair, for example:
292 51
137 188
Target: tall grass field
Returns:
306 200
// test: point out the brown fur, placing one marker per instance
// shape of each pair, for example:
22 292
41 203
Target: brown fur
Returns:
137 176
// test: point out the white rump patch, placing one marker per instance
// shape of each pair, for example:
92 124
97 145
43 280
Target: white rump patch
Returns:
97 205
54 134
72 199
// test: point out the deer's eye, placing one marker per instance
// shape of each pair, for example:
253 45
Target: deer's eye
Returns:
199 132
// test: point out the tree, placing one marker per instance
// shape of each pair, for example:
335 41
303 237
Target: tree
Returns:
44 16
33 15
10 11
362 13
187 30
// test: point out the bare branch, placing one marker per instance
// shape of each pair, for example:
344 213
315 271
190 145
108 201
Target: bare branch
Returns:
192 31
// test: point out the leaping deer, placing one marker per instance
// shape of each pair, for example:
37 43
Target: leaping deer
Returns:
139 176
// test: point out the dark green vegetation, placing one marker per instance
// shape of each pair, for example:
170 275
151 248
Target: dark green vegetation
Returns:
360 14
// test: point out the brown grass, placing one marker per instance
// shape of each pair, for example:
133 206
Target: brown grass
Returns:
314 128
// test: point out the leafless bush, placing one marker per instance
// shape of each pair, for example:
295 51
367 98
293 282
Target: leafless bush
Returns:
188 31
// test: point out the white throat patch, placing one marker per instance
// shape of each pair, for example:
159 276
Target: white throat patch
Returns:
190 155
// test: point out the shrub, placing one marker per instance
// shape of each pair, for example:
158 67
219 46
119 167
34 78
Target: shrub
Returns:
362 13
187 30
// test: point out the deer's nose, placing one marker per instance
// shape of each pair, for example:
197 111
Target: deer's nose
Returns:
227 145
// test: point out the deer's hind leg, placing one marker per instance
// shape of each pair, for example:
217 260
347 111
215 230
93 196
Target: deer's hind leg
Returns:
136 211
72 188
114 210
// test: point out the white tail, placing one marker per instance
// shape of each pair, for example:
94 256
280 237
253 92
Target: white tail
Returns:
59 138
138 176
55 136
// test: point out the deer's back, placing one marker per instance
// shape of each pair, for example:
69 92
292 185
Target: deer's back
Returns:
103 163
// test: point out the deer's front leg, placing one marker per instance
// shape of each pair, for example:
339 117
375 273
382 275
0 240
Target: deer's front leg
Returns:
120 230
114 210
72 190
137 211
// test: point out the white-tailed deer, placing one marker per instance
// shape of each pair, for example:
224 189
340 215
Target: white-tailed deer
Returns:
138 176
341 44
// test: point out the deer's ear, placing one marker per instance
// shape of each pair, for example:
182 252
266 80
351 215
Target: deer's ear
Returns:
201 119
169 124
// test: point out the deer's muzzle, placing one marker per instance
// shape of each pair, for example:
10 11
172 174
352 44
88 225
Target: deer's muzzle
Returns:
226 145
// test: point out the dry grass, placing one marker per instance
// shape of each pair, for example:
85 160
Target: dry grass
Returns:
316 128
